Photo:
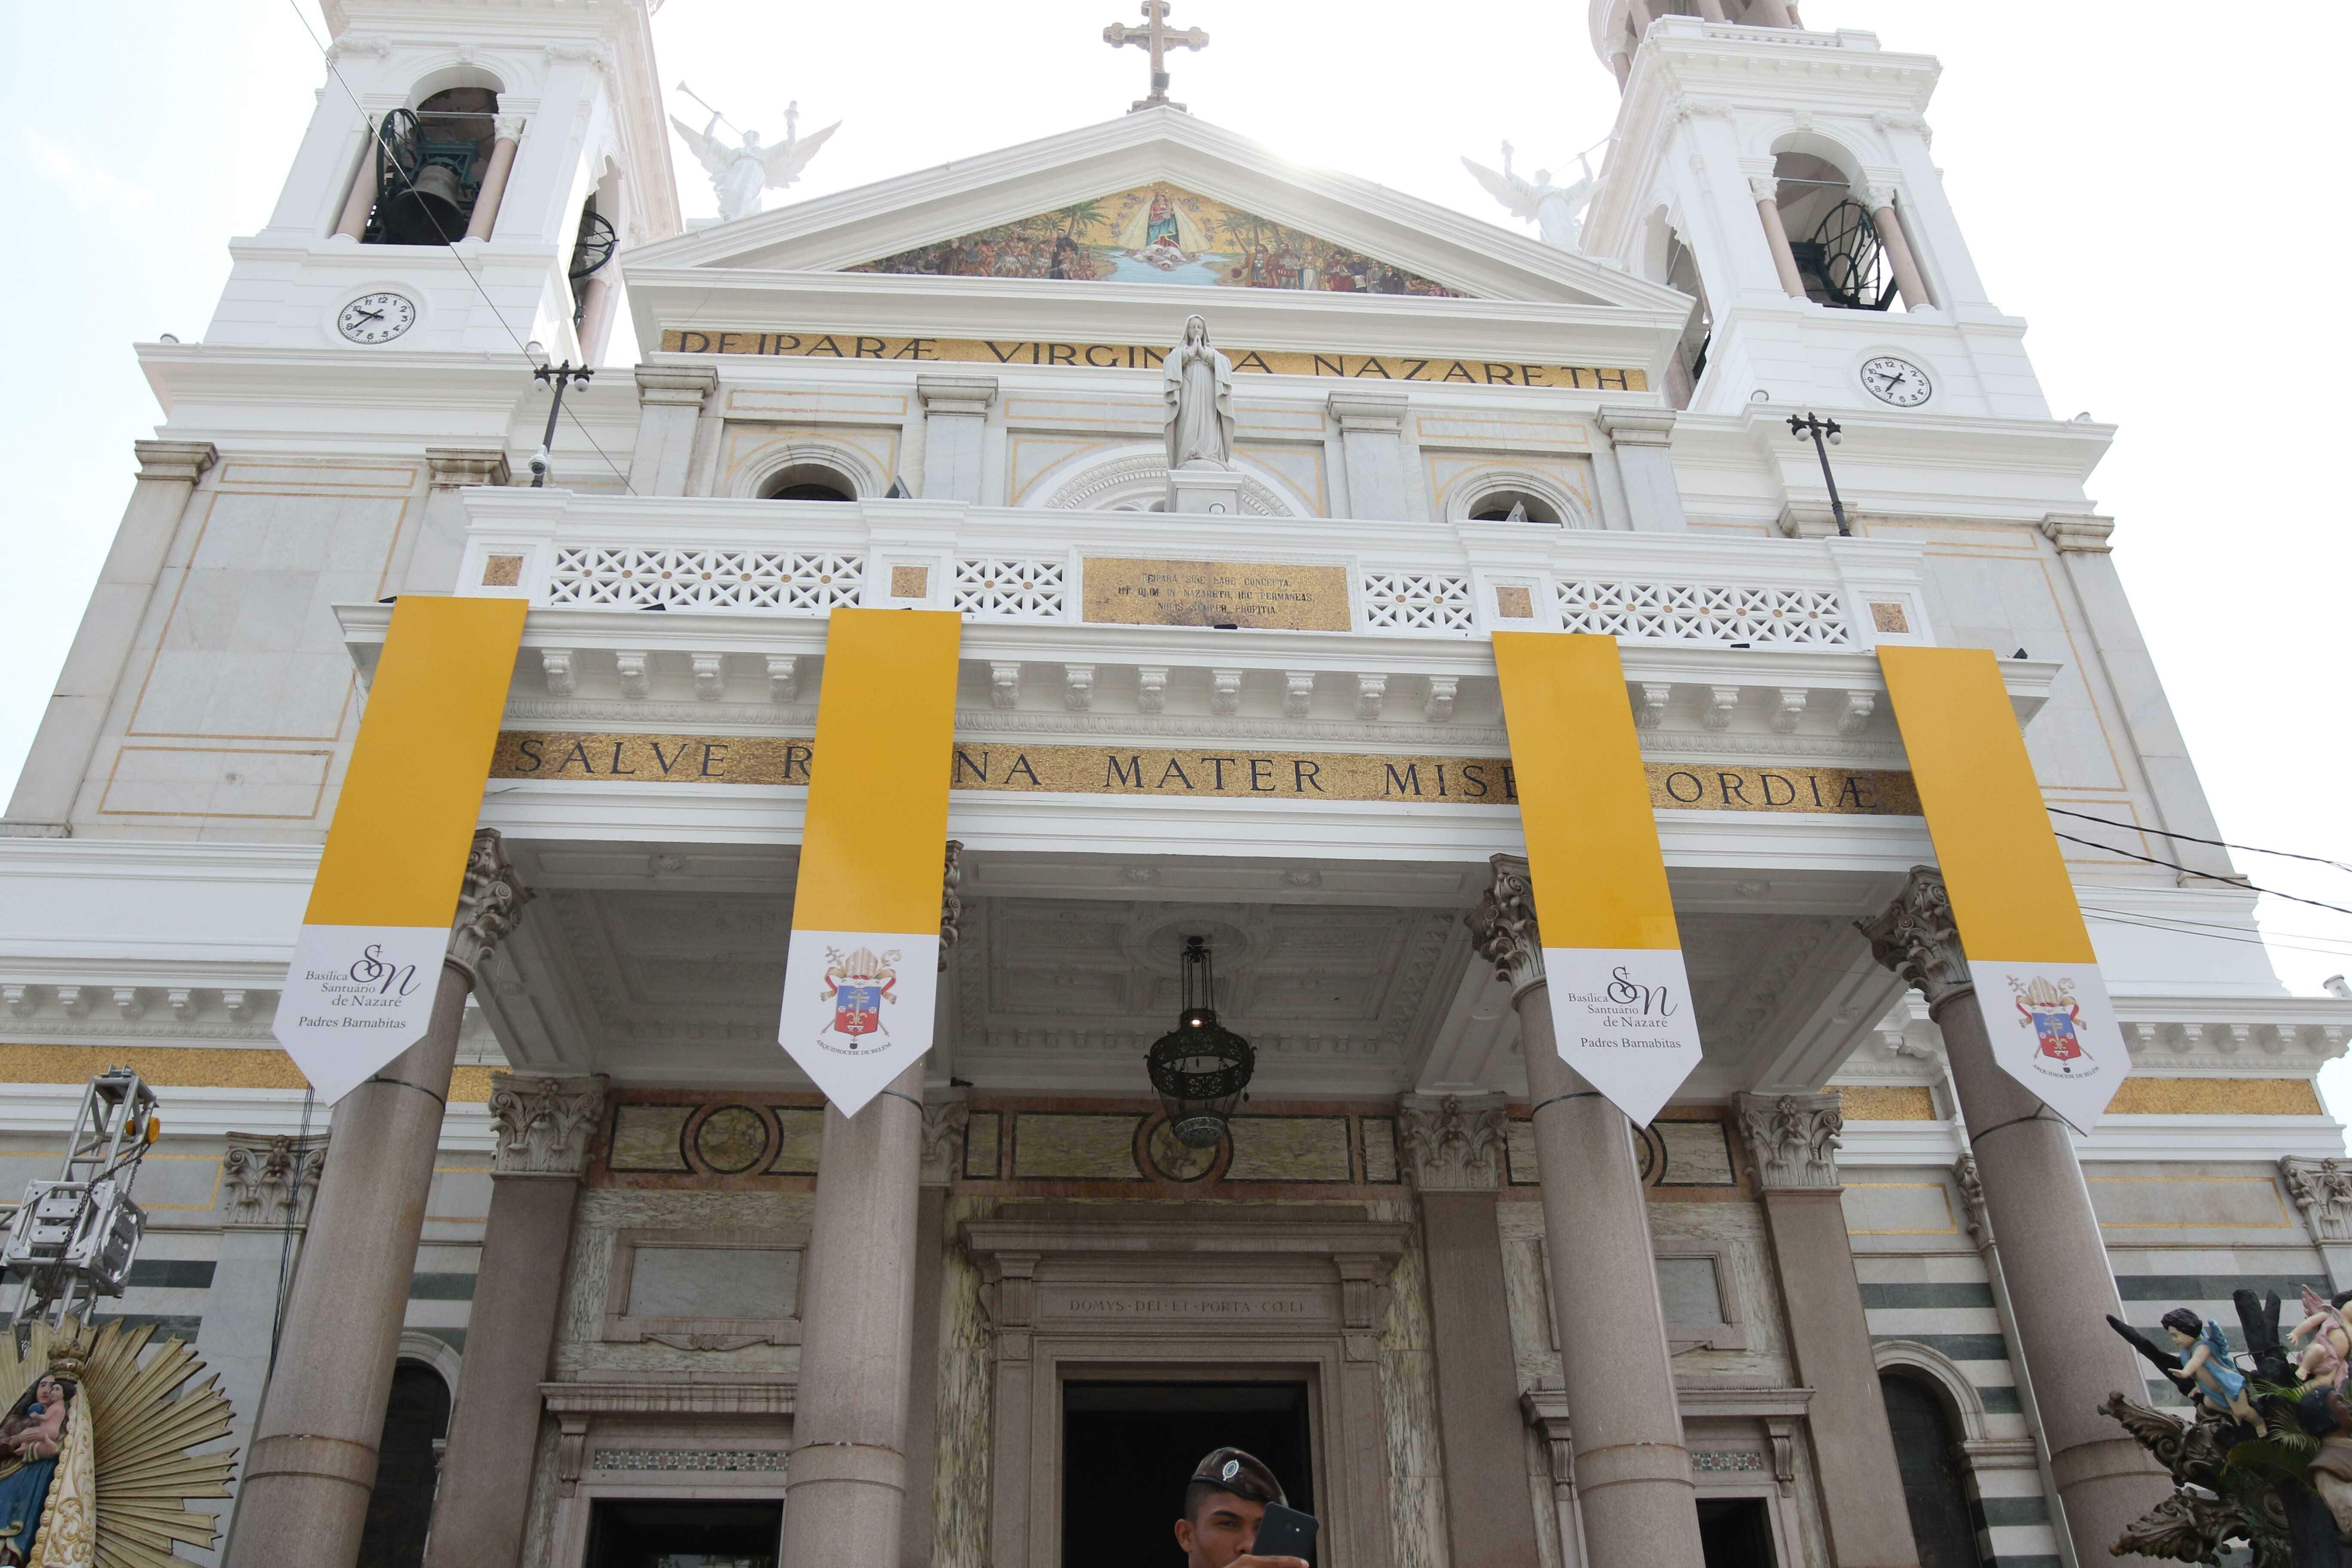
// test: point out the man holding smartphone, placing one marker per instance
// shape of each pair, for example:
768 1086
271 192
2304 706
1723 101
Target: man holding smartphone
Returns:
1225 1506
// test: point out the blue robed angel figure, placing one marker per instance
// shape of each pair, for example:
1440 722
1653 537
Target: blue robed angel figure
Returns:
31 1437
2207 1374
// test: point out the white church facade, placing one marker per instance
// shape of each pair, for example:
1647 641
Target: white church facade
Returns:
591 1271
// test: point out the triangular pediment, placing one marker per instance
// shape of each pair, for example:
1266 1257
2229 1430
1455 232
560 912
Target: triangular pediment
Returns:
1234 215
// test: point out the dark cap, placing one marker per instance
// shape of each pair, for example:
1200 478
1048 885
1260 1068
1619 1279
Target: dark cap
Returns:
1240 1473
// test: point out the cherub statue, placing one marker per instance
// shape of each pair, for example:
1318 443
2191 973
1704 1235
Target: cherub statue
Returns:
1555 210
2207 1374
741 173
2325 1340
32 1435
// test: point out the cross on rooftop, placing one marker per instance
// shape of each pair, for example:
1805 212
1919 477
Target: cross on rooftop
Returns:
1159 38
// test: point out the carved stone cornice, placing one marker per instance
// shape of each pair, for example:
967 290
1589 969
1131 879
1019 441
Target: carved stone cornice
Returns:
945 1114
950 900
2322 1189
676 385
1917 938
488 906
1792 1140
1964 1172
1503 926
1450 1147
2079 533
543 1124
266 1177
970 394
449 467
182 462
1638 427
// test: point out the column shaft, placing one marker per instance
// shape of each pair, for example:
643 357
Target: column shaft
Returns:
1908 280
493 189
848 1468
1633 1471
313 1464
484 1500
917 1525
2060 1286
1775 239
352 223
1490 1522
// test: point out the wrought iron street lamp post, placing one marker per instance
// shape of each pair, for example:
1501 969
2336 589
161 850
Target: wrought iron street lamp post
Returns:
557 376
1817 428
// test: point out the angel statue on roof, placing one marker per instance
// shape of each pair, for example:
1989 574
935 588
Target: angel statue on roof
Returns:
1557 211
740 174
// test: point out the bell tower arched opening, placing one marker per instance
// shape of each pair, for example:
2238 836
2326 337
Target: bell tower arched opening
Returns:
430 166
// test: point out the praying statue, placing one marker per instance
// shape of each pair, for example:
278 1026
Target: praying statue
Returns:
1557 211
1199 392
741 173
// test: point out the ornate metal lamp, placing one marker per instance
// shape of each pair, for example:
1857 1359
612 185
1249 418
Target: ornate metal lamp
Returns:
1200 1068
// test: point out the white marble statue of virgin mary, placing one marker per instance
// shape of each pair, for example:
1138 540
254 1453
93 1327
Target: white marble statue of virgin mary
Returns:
1199 392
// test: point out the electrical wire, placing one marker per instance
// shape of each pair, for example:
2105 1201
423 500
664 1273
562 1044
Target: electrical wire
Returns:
2208 876
376 135
2192 839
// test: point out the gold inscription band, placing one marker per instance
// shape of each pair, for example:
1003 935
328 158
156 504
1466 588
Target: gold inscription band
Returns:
1146 356
992 767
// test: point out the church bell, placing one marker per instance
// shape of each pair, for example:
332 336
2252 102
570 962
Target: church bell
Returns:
425 210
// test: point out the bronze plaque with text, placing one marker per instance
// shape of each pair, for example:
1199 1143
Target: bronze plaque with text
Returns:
1123 591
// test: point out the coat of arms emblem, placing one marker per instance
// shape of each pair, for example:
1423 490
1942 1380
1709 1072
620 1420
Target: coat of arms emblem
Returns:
858 984
2049 1008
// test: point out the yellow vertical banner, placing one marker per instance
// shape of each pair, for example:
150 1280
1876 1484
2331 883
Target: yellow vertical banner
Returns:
367 963
862 970
2037 976
1619 996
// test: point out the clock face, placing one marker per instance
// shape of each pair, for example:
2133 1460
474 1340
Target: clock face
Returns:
380 318
1897 381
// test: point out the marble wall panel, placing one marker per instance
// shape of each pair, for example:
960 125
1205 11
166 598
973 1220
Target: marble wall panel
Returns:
966 1412
1290 1149
982 1136
581 1352
801 1131
1048 1145
1409 1406
645 1137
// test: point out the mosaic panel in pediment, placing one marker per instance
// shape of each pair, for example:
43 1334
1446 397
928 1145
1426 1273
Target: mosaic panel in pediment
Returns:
1159 233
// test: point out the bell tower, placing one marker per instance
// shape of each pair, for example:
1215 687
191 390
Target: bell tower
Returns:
1781 176
467 178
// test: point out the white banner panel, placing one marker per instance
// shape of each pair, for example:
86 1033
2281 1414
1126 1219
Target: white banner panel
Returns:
1622 1016
355 997
2054 1031
857 1008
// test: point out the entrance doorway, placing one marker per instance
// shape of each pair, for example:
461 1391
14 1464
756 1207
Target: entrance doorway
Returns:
1128 1450
627 1533
1736 1532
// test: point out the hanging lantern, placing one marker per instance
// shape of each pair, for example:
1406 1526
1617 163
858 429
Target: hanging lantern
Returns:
1200 1068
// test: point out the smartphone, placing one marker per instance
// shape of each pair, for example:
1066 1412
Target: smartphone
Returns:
1285 1532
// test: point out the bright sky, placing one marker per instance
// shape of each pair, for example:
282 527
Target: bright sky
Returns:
2146 187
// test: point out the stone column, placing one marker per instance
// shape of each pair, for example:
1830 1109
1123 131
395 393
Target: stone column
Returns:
433 560
267 1183
543 1127
67 737
1643 440
846 1485
596 300
1909 282
955 433
1767 191
946 1113
361 200
494 178
1633 1471
2059 1283
670 401
1451 1148
1793 1142
2322 1189
312 1463
1371 447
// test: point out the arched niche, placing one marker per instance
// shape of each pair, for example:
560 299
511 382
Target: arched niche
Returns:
801 461
1489 494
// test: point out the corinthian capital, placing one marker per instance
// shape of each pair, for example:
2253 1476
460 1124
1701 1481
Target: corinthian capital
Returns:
2322 1189
491 904
1451 1147
1917 938
1793 1139
543 1124
946 1115
1503 926
950 901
